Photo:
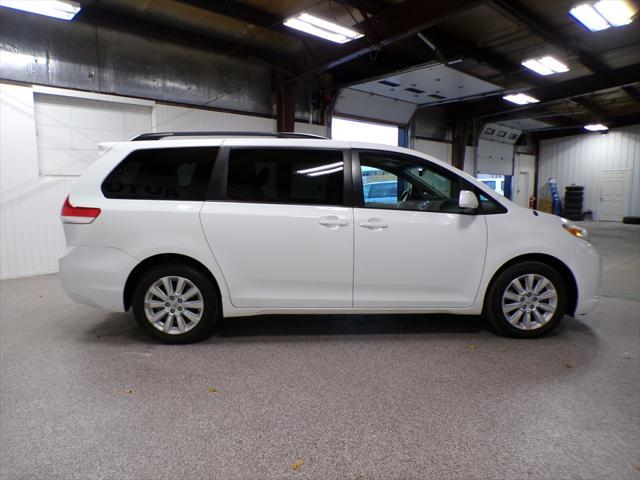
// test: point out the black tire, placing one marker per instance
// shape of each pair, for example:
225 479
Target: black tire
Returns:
573 206
572 212
210 313
493 300
574 188
631 220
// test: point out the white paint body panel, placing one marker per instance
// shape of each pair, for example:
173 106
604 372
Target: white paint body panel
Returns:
281 255
280 259
419 259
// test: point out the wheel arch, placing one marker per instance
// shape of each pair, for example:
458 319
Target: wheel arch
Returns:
155 260
553 262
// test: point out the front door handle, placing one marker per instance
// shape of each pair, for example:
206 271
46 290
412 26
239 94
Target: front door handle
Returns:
333 221
374 224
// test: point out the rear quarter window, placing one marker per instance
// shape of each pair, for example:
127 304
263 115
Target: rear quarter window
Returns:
162 174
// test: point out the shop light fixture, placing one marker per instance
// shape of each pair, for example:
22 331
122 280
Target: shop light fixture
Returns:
596 127
520 99
545 65
63 9
322 28
603 14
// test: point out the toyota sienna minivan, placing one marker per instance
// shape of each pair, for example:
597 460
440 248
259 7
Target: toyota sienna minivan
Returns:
187 228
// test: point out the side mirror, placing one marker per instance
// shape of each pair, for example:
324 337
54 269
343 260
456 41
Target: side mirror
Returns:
468 200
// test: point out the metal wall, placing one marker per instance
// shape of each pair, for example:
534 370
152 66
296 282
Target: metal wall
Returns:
37 49
580 159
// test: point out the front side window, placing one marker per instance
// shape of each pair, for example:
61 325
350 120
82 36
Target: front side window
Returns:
405 183
162 174
286 175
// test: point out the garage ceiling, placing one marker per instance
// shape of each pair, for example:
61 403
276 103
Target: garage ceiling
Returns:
481 40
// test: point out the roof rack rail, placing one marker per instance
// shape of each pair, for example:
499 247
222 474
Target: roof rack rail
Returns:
161 135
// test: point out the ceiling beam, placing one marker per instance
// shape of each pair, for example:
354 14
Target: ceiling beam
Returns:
368 6
512 69
568 89
458 47
239 11
537 25
391 26
633 92
578 129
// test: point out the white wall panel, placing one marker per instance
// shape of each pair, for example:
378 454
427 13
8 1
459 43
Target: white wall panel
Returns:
443 151
70 129
580 159
31 237
440 150
168 118
18 153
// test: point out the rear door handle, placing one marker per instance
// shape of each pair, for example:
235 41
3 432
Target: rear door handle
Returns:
374 224
333 221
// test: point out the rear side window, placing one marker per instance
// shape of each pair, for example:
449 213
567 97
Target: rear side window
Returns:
293 176
162 174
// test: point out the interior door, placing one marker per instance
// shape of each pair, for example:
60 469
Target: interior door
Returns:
614 195
522 189
281 233
419 250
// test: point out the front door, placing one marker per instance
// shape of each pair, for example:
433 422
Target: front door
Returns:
282 235
614 195
419 249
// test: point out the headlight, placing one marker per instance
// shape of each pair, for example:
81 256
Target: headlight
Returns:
576 231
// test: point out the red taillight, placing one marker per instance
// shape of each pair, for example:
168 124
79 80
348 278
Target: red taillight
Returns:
71 214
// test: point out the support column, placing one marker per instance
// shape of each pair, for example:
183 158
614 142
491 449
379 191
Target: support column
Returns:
459 144
285 93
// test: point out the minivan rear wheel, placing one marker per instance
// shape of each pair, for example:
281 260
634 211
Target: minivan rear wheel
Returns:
526 300
176 303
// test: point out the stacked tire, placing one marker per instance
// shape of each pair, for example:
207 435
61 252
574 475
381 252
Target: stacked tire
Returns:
573 201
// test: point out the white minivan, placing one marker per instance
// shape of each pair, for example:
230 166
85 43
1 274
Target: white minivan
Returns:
186 228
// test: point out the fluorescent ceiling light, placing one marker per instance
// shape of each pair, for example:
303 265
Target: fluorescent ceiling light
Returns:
595 127
604 14
616 12
322 28
64 9
520 99
587 16
537 67
555 65
545 65
330 26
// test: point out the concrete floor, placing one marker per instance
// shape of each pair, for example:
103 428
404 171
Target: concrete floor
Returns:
84 394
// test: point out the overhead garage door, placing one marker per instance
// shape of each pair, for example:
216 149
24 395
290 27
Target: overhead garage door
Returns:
70 129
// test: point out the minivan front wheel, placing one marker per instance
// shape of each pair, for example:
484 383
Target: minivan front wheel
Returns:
176 304
526 300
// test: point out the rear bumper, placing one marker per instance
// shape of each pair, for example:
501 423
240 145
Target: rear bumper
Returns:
96 276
